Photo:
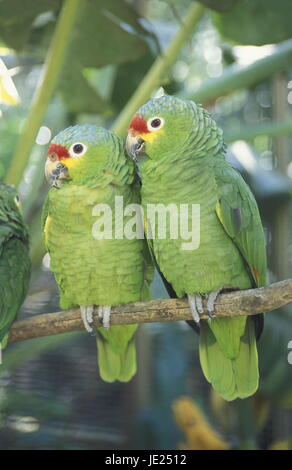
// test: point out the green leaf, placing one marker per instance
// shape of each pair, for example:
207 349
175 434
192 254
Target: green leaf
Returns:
106 32
17 17
77 93
256 22
128 78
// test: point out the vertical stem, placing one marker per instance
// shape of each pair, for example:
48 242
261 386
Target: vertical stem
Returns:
44 93
157 71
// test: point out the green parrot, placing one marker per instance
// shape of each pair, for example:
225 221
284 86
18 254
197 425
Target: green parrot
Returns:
180 157
14 260
88 170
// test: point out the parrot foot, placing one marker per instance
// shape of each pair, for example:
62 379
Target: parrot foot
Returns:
196 306
211 299
104 313
87 317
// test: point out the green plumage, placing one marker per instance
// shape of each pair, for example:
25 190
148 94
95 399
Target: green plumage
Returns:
14 260
185 164
91 271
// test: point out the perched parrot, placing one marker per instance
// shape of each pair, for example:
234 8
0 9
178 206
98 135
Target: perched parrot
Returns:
14 260
180 156
87 169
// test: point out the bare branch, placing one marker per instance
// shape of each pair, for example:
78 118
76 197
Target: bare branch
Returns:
232 304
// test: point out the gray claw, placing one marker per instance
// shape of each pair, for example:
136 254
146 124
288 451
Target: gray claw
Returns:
87 317
199 304
195 306
104 313
212 297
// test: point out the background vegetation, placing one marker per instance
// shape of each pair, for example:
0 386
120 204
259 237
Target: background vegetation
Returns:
76 61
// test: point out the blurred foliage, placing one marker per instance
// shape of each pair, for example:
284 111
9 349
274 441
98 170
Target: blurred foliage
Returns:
256 22
8 92
50 394
275 371
198 433
15 28
219 5
282 445
111 28
9 129
115 37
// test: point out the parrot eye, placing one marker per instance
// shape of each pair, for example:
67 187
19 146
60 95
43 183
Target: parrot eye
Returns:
155 123
17 201
77 149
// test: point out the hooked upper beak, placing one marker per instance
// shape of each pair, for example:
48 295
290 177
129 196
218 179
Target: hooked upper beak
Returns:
135 145
56 173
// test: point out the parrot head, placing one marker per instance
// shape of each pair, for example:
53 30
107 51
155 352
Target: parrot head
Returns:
160 124
10 211
168 126
8 198
79 154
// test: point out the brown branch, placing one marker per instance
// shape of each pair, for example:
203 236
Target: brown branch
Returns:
232 304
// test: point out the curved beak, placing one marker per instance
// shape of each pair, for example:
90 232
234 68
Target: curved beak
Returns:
135 146
56 173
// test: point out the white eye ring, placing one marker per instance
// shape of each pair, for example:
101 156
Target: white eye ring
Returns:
77 149
155 123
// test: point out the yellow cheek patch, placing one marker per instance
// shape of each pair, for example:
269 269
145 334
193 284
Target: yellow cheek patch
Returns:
71 162
17 202
46 228
47 223
149 137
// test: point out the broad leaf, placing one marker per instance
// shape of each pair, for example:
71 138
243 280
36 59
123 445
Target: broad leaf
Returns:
256 22
77 93
106 32
17 17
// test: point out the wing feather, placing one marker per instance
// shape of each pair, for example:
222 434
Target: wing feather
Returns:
238 213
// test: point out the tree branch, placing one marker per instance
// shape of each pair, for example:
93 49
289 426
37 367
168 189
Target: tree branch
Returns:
232 304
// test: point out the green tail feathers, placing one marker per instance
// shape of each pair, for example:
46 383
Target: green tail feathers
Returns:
231 367
116 353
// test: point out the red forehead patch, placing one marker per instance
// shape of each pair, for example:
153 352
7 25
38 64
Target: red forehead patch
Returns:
61 151
138 124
